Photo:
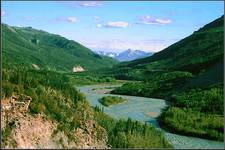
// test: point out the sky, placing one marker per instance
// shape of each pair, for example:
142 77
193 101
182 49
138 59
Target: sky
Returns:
115 25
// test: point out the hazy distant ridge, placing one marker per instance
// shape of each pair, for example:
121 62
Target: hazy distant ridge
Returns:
126 55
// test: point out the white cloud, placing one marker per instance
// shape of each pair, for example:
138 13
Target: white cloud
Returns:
117 24
3 13
153 21
72 19
76 4
90 3
99 25
163 21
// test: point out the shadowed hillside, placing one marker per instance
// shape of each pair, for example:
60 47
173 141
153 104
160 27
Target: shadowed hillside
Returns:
189 74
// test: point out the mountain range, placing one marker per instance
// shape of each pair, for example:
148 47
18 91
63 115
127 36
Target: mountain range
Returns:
126 55
201 54
190 75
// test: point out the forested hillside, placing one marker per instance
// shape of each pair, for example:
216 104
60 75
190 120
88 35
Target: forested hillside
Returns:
198 53
189 74
76 122
199 50
31 47
37 65
56 93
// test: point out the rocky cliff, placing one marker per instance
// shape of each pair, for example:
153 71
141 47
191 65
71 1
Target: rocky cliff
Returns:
20 129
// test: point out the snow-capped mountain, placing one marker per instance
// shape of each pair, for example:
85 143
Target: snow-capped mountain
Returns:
129 55
126 55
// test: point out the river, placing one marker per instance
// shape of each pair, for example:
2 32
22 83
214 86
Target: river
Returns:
144 110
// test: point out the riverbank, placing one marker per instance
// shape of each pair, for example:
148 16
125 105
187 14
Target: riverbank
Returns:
137 108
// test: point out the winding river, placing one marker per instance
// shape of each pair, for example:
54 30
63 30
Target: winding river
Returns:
144 110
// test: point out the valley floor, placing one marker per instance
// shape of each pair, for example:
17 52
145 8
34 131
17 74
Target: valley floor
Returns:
144 110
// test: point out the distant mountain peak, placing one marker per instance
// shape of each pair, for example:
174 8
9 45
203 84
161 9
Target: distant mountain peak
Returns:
126 55
129 50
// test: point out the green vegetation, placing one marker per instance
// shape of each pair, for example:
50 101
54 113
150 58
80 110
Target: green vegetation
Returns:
78 79
7 134
160 86
51 94
130 134
196 54
196 113
189 74
26 46
193 123
51 87
206 101
111 100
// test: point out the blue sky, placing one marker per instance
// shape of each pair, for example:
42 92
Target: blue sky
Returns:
115 25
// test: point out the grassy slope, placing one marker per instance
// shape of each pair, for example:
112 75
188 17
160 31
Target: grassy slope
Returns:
30 46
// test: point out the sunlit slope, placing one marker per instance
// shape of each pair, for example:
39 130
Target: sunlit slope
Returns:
27 46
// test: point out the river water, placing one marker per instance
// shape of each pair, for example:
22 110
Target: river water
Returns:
144 110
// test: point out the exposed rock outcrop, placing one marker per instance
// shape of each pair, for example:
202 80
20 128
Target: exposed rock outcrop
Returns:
35 66
23 130
78 69
88 136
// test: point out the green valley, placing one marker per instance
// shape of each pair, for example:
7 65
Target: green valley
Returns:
57 93
190 76
28 72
